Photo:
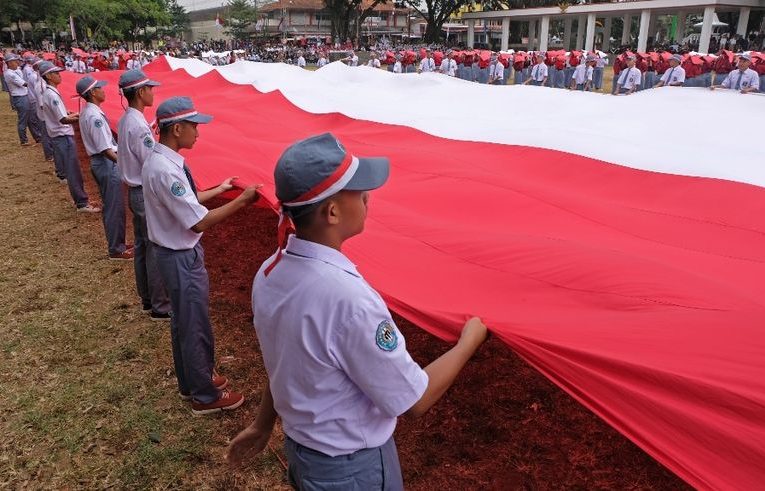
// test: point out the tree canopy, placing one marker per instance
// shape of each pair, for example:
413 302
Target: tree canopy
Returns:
98 21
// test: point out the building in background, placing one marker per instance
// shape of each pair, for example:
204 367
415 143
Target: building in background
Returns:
293 19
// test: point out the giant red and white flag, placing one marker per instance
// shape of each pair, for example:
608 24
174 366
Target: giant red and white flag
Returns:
616 243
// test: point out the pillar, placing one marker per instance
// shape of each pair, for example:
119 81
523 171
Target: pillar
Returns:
680 31
743 21
505 33
589 40
580 32
706 29
471 33
645 20
544 32
606 34
567 33
626 29
532 34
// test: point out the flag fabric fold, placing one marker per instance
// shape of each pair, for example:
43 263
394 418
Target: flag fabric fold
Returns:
638 292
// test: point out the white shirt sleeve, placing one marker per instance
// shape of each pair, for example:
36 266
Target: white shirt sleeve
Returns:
184 206
371 351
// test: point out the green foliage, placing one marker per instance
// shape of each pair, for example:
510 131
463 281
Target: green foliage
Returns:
241 15
99 20
342 12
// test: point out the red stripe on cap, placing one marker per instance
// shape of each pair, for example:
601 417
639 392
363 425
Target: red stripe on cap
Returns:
185 112
329 181
132 84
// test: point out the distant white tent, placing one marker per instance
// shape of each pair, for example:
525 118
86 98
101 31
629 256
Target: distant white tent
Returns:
715 23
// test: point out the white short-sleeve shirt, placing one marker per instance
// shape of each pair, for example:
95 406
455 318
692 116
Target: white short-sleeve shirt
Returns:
449 67
31 77
95 131
172 207
339 371
53 111
629 78
301 62
673 75
135 143
539 72
496 71
427 65
16 82
749 78
397 67
582 74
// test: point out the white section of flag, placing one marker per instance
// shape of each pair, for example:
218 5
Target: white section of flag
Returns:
685 131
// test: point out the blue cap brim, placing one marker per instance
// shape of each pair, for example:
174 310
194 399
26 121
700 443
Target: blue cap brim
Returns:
372 173
199 118
101 83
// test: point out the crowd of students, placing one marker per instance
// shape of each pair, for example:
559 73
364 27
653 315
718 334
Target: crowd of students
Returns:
307 284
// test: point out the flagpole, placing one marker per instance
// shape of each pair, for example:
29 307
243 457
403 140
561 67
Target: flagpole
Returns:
71 28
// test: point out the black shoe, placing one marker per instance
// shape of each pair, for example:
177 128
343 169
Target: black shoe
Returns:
146 307
158 317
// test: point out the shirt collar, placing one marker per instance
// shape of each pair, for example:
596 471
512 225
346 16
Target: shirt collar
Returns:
93 107
313 250
170 154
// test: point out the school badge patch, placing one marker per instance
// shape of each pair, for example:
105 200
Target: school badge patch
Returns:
148 141
99 123
178 189
386 337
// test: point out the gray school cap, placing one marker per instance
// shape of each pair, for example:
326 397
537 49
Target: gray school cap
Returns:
47 67
319 166
677 58
177 109
135 79
88 83
745 57
12 57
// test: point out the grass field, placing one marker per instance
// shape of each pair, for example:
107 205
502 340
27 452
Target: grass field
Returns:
88 398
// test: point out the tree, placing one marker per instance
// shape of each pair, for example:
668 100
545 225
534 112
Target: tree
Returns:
343 11
241 16
179 19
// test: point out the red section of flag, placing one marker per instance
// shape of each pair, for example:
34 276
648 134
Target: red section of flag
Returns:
638 293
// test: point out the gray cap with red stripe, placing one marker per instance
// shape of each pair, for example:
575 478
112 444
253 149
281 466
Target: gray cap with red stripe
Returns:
317 167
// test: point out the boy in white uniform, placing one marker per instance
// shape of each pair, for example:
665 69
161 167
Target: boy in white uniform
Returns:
100 145
176 219
348 375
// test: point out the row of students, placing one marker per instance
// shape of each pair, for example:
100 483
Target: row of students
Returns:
328 323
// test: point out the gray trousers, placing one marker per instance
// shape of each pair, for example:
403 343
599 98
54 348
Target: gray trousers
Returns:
65 157
188 285
110 186
20 104
47 144
58 164
367 469
148 280
36 126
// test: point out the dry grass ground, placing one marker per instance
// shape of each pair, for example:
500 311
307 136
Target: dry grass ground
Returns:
87 399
